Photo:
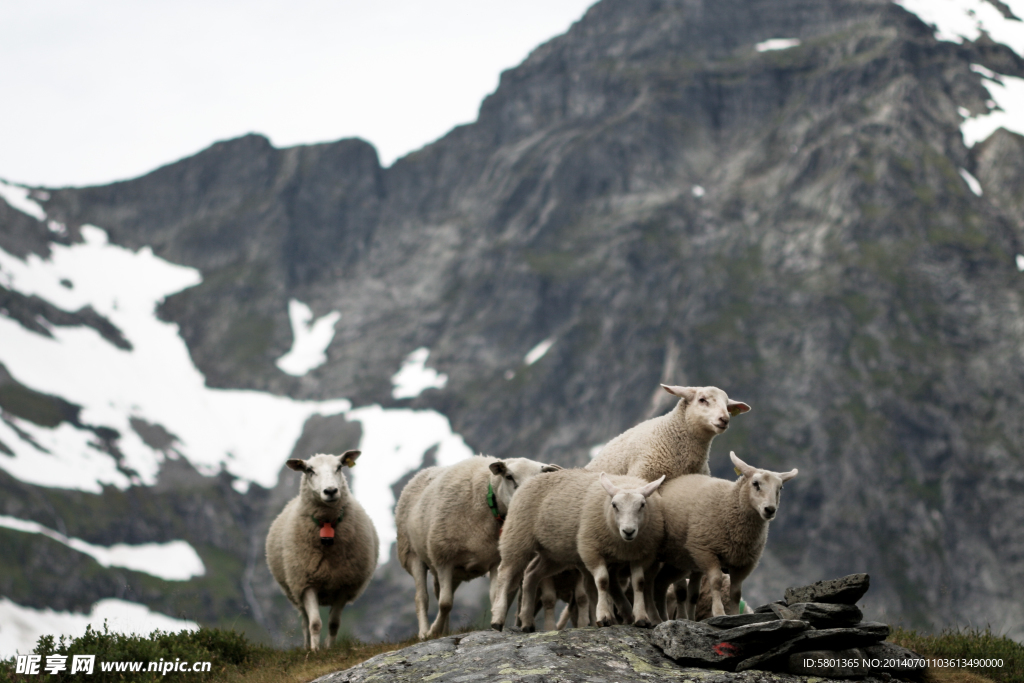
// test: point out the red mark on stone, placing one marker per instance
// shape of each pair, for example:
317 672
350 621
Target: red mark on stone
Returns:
725 649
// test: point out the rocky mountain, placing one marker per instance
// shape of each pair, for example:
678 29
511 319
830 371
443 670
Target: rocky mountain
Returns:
782 198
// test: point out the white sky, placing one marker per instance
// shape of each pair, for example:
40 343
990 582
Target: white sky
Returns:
111 89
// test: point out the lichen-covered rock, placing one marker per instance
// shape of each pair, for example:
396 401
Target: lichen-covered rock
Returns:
845 591
619 654
827 615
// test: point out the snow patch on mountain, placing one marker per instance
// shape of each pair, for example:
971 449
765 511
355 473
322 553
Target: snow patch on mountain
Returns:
20 627
172 561
414 377
311 339
958 20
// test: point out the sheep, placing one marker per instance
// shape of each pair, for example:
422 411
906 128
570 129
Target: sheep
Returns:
715 524
579 519
449 519
322 548
704 603
673 444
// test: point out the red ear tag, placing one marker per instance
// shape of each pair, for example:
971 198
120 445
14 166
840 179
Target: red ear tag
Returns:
327 533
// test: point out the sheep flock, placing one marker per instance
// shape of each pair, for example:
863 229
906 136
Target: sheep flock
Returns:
642 534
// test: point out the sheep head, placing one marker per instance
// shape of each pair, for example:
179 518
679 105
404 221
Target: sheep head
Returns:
709 408
322 478
764 487
509 474
628 506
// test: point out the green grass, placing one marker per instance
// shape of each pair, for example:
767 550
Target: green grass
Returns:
233 658
959 643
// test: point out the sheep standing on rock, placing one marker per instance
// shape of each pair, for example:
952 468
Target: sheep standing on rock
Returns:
579 519
714 524
448 520
322 548
673 444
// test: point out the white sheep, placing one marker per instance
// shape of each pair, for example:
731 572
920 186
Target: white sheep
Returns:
714 524
673 444
449 519
322 548
578 519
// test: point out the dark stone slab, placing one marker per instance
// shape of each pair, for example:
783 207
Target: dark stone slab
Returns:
734 620
827 615
765 634
845 591
864 634
691 643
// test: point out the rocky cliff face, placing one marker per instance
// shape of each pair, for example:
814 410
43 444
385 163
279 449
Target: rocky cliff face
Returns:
667 204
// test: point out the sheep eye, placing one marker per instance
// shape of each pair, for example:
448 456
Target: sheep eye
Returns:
704 400
310 471
614 506
757 486
642 505
511 479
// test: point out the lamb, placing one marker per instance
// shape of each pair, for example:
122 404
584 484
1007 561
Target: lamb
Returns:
715 524
449 519
322 548
673 444
579 519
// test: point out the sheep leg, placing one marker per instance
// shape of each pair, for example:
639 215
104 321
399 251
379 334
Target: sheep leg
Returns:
311 604
305 627
510 573
540 568
637 574
622 605
667 576
445 600
736 577
605 614
334 622
548 598
715 580
419 573
693 595
652 606
670 602
567 614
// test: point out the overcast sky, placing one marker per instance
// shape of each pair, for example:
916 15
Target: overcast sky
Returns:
111 89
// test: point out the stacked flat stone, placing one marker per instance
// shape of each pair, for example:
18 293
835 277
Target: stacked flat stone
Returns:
817 630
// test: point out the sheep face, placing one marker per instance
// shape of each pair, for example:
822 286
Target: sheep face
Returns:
708 408
765 487
322 478
628 506
509 474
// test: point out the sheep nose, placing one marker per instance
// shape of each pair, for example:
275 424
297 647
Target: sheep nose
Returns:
330 492
628 534
770 511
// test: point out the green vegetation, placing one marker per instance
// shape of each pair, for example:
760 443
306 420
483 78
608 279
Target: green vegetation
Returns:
959 643
232 657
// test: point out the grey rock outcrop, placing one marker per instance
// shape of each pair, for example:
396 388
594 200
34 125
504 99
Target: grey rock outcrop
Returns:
846 590
619 654
826 615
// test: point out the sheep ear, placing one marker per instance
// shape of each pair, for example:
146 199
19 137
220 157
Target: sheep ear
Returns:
786 476
611 488
297 465
499 468
737 407
652 487
685 393
551 468
741 467
348 458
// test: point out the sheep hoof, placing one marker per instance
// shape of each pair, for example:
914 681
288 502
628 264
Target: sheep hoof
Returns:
529 629
606 622
498 626
643 623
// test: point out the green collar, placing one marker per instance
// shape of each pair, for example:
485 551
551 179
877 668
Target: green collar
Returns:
492 503
341 516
